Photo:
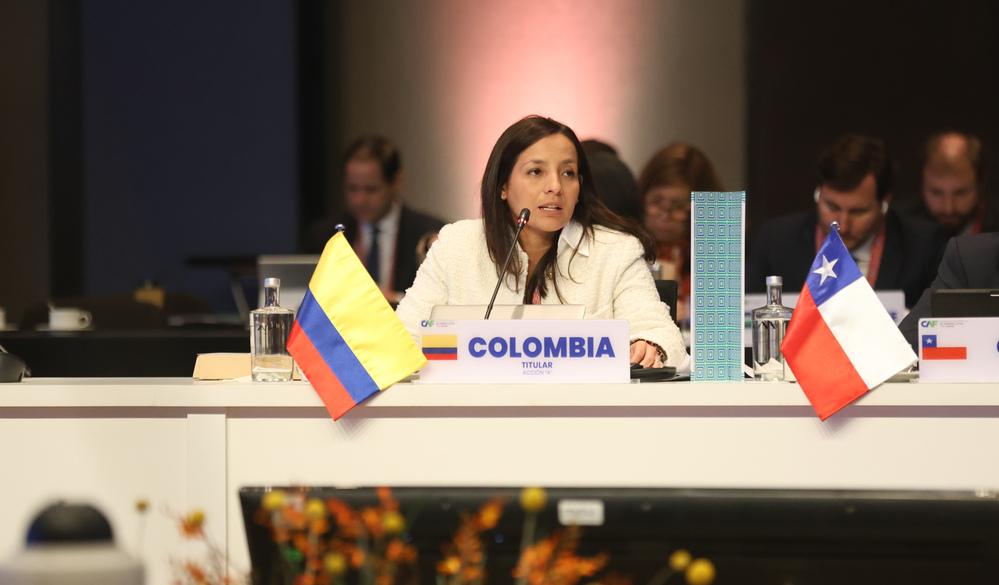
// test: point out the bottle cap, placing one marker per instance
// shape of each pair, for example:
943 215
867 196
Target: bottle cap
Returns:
272 282
775 280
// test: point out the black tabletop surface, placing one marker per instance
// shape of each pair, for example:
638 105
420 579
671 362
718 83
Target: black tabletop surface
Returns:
103 353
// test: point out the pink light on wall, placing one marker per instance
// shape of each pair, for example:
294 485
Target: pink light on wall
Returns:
495 62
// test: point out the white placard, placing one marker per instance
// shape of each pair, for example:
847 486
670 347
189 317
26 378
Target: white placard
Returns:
525 352
581 512
964 349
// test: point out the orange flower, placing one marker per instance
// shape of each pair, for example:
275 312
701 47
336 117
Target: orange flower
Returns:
294 518
538 568
372 521
299 541
347 521
191 526
489 515
319 526
449 566
387 500
196 573
400 552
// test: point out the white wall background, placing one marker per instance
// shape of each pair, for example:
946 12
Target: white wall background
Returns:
444 78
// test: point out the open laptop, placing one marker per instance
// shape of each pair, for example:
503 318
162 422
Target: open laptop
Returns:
973 302
295 272
536 312
751 536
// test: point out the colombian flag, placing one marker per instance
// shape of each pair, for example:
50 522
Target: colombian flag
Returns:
346 339
440 347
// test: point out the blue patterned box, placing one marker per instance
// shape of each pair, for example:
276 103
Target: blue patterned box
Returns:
716 317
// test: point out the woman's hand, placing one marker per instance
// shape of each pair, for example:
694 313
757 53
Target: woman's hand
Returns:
645 354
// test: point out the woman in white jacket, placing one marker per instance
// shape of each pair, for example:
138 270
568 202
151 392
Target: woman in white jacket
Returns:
572 251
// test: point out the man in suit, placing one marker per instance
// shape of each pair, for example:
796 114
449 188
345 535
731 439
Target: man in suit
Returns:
894 251
970 261
954 185
383 231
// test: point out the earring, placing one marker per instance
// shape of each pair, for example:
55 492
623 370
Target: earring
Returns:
503 195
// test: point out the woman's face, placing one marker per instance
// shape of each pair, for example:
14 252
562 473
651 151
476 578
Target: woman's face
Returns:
545 179
667 213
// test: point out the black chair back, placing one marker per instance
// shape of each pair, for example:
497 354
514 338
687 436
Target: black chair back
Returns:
667 294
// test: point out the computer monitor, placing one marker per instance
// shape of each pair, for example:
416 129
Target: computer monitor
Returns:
972 302
751 536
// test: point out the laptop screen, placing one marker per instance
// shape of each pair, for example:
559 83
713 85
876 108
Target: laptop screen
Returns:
622 535
965 303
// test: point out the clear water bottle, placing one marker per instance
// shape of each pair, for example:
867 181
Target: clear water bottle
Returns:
269 329
769 324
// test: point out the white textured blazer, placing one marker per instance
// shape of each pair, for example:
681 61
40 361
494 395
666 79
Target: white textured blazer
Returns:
608 274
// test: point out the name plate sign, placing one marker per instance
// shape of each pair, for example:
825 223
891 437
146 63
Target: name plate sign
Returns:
525 351
959 349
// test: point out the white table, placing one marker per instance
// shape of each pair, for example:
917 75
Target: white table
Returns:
184 444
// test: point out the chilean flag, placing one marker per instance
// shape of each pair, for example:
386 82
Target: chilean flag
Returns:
932 351
841 342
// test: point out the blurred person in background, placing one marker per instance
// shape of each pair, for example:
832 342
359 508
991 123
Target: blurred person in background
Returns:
666 183
969 261
953 185
614 181
385 233
894 251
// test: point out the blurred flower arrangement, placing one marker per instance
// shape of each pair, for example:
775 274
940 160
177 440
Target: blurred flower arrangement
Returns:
214 570
325 542
322 541
464 559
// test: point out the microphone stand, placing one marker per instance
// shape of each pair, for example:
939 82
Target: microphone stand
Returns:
522 219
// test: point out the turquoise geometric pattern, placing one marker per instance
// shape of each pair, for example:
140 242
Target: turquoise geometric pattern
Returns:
716 247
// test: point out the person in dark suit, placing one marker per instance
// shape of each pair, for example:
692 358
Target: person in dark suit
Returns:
970 261
384 232
953 186
894 251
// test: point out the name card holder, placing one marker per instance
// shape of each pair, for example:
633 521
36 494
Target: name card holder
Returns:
959 349
525 351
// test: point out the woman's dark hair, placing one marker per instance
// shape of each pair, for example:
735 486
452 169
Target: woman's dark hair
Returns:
615 184
378 149
679 164
499 220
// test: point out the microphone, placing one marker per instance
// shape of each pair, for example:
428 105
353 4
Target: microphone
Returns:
525 215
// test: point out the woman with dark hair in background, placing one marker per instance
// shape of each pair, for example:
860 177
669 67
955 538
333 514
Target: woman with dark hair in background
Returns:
573 251
666 183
